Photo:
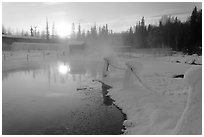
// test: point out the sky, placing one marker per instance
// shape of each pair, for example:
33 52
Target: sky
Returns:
118 15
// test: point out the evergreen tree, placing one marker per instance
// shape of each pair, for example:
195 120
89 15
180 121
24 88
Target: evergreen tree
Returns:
53 30
73 31
3 30
195 31
79 32
31 31
47 30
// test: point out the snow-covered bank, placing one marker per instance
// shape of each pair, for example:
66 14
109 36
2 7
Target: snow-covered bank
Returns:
191 119
157 106
189 59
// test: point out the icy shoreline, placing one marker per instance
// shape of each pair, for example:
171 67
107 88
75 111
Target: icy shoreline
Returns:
148 112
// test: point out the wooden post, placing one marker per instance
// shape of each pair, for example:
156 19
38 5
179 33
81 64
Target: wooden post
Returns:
27 57
105 67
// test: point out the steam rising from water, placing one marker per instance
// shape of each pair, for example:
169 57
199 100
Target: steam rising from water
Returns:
100 50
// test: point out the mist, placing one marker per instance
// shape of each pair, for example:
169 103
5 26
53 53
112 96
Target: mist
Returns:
102 68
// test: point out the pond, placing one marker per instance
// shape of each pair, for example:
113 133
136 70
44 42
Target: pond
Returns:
57 97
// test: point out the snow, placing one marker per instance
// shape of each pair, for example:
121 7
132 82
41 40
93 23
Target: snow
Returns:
189 59
145 90
191 120
135 65
152 99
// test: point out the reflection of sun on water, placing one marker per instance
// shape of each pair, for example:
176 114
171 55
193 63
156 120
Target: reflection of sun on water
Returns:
63 69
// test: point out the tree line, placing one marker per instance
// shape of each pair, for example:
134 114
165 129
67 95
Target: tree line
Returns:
170 33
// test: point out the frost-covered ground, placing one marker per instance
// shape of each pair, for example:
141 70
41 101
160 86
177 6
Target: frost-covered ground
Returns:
155 103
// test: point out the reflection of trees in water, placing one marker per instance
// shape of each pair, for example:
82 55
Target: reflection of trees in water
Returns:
54 76
80 71
77 70
85 67
4 75
74 77
27 69
34 74
92 69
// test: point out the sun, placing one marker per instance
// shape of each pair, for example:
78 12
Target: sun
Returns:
63 29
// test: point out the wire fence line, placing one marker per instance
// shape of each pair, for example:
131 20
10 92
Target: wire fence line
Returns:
135 74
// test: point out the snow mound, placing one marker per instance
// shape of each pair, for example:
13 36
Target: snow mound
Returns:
115 63
188 59
193 59
151 113
129 123
191 119
193 75
112 68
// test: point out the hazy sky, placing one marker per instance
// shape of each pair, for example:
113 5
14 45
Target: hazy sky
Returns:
118 15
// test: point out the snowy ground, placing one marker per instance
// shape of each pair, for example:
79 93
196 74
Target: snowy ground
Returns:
155 106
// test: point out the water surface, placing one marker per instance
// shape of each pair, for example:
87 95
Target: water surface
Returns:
57 97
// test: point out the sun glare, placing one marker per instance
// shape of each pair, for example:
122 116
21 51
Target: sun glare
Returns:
63 69
63 29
